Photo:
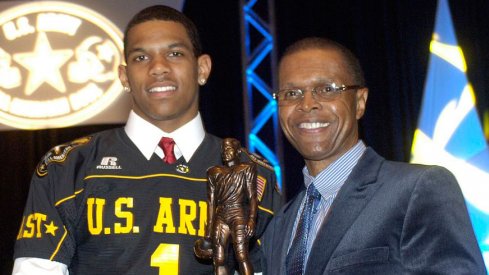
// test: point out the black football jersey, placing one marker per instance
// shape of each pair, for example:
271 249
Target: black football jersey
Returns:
97 205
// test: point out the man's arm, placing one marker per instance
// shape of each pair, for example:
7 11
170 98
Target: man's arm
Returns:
45 239
437 234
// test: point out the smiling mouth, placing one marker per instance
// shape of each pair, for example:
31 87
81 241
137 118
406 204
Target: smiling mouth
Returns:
313 125
162 89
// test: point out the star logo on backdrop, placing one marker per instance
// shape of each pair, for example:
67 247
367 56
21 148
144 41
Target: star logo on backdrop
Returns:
44 65
58 64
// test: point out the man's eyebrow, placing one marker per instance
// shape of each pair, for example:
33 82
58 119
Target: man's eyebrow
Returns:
179 45
133 50
171 46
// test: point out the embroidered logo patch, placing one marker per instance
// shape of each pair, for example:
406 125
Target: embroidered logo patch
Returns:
184 169
59 154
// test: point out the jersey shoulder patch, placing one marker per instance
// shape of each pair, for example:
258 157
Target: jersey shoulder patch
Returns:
59 154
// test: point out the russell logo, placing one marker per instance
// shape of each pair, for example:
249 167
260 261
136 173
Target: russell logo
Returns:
108 163
58 64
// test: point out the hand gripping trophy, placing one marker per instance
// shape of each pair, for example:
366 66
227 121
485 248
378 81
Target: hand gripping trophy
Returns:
232 210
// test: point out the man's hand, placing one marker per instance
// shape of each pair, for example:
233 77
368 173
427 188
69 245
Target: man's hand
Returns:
250 228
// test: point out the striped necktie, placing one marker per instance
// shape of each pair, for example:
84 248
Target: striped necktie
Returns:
296 257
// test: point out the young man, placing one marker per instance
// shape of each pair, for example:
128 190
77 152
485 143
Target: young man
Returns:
132 200
361 214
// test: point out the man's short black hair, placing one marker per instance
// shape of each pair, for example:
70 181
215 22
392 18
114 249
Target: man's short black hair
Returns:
165 13
326 44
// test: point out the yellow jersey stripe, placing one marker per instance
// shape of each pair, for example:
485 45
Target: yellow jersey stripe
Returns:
59 244
143 177
265 209
69 197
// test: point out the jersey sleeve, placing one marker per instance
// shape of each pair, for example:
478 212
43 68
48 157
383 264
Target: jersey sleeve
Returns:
49 214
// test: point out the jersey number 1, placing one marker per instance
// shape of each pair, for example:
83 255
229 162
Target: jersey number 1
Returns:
165 258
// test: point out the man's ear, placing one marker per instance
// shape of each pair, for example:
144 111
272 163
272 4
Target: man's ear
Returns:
204 64
361 102
123 75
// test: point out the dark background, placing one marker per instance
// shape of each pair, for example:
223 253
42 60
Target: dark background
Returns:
391 39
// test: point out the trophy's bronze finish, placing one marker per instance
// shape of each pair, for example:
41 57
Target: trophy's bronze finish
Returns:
232 210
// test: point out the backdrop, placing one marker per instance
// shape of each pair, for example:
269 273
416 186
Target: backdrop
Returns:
391 38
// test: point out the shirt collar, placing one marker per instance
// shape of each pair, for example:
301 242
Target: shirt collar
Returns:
146 136
329 181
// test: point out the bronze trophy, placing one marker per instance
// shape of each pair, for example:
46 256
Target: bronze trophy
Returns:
232 210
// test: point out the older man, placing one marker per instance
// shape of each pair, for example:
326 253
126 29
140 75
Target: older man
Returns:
360 213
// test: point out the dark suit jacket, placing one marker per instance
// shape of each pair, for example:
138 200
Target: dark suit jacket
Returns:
388 218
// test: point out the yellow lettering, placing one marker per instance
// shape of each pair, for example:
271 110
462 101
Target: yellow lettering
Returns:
128 202
29 224
57 22
186 217
203 217
19 234
39 218
20 28
34 222
97 228
165 217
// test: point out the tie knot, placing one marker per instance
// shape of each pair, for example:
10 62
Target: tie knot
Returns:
167 144
313 192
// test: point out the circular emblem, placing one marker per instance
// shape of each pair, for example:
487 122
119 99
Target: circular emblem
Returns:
58 64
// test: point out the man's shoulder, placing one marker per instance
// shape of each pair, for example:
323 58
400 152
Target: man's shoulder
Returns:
401 171
210 138
210 144
73 149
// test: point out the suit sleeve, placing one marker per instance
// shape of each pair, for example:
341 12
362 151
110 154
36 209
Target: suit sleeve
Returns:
437 236
270 200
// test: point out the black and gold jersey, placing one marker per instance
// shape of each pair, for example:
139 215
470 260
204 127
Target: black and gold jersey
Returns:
97 205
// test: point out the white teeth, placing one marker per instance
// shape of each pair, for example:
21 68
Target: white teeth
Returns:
313 125
162 89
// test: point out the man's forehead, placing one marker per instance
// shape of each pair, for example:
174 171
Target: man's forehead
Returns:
160 28
314 55
313 63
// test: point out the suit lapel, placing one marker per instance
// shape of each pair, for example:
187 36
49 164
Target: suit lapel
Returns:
283 230
350 201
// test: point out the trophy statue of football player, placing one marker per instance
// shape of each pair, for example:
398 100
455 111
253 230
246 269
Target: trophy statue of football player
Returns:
232 210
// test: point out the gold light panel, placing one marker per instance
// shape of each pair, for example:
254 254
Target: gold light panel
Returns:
58 64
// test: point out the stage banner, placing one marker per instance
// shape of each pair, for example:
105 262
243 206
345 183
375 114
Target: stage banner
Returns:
59 62
449 129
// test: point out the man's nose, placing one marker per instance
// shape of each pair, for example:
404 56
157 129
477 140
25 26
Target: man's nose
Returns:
309 102
159 66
